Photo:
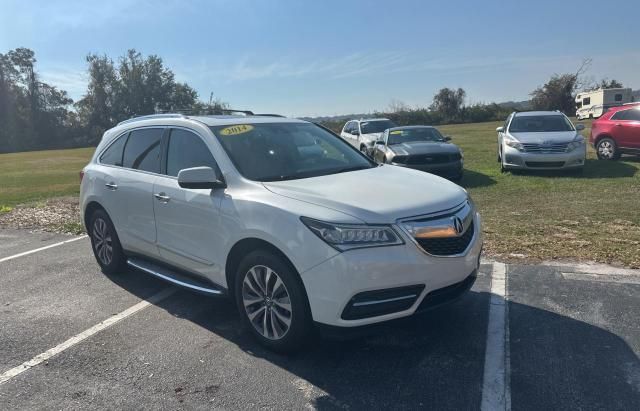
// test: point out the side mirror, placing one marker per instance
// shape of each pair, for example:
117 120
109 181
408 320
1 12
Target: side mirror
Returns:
200 177
500 129
579 127
355 132
379 143
447 138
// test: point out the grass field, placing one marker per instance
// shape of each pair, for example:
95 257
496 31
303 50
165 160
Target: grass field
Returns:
594 216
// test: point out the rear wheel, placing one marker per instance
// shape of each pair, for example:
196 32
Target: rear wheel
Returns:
105 243
272 301
607 149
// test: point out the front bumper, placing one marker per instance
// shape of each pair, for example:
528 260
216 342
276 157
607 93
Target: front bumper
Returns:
514 159
401 277
450 170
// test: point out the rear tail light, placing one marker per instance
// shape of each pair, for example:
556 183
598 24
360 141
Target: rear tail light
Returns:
81 175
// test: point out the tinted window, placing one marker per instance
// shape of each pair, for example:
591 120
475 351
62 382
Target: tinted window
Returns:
142 151
347 127
633 115
539 124
414 134
287 151
619 115
586 101
377 126
113 155
617 97
187 150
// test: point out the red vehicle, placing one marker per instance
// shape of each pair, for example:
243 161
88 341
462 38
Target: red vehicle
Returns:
616 132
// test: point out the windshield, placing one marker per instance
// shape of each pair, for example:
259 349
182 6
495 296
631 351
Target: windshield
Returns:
376 126
287 151
539 124
414 134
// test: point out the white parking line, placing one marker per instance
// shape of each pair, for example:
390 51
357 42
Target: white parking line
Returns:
496 393
11 257
38 359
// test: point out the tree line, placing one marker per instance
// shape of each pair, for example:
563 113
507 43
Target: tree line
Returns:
35 115
448 105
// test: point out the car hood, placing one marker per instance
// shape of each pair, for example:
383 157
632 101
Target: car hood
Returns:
407 149
379 195
539 138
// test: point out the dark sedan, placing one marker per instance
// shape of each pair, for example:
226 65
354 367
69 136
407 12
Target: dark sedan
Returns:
421 148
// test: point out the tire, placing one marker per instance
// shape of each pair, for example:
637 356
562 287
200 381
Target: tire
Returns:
106 244
276 324
607 149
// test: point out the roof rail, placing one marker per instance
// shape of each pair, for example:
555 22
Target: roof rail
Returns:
152 116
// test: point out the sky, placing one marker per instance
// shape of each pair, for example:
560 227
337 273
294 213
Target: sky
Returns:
312 57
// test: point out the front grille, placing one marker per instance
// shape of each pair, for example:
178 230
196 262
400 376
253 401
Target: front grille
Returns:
432 158
536 164
542 148
449 245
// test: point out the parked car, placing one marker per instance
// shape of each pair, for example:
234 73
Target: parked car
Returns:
617 132
540 140
421 148
362 134
244 207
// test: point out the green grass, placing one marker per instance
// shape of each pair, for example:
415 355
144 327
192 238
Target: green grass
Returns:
593 216
38 175
542 216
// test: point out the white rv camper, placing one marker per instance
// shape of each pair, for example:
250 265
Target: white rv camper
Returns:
593 104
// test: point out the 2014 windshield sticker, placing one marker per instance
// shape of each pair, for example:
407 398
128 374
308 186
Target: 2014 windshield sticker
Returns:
234 130
396 132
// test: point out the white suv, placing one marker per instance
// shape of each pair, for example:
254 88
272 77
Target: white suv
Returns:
363 134
273 212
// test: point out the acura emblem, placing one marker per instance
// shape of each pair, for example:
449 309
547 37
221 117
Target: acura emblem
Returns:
458 225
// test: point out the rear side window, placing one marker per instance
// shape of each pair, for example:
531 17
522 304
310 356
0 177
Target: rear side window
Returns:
187 150
142 151
620 115
113 155
617 97
586 101
633 115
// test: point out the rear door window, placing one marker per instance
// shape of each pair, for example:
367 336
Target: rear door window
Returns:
620 115
112 156
187 150
142 151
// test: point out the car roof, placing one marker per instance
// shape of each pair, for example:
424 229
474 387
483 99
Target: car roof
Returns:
537 113
408 127
228 120
364 120
635 105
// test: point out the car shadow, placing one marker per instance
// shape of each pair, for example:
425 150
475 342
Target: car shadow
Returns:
593 169
434 360
474 179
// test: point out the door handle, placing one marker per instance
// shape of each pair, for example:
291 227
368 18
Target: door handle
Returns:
618 125
111 186
162 197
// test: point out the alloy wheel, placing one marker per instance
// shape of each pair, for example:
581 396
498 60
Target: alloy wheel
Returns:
267 302
102 241
606 150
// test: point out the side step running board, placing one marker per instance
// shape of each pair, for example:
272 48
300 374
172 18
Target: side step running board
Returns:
174 277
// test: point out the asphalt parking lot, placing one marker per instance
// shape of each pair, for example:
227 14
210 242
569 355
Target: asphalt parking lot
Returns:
548 337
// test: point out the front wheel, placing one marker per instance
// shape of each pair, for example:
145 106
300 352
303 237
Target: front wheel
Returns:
607 149
272 301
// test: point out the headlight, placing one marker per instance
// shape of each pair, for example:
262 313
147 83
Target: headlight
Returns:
344 237
577 143
513 143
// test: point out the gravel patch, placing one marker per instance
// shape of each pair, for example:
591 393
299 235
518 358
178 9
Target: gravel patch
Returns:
56 215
